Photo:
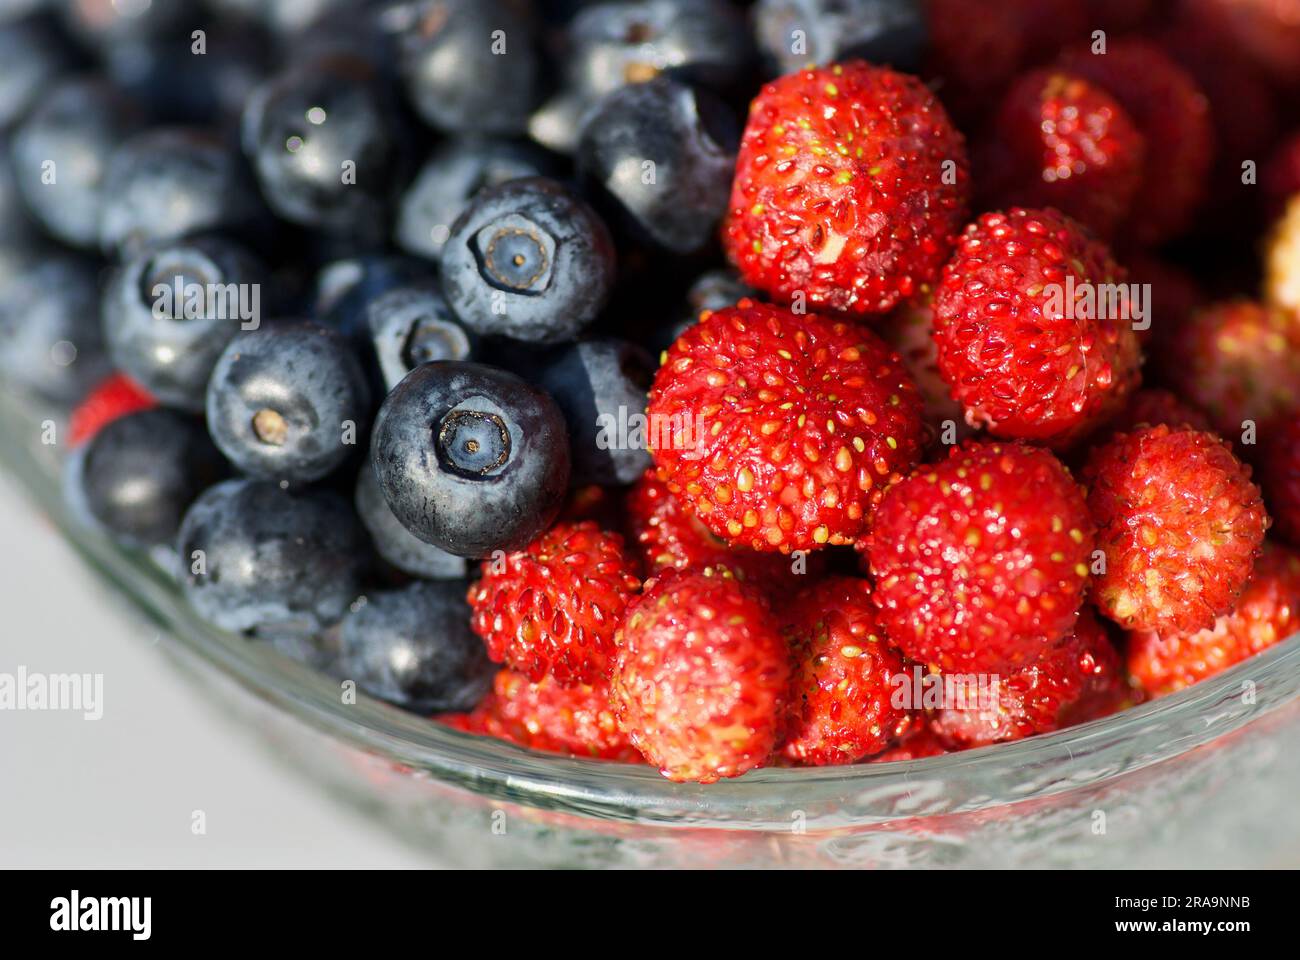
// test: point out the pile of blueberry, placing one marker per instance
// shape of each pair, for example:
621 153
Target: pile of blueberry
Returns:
340 290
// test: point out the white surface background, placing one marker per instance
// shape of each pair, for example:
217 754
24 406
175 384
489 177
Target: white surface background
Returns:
120 791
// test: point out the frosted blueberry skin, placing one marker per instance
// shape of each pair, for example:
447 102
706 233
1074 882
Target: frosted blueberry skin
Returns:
78 125
457 76
141 472
471 458
274 563
394 543
889 32
50 336
288 402
528 260
414 325
601 387
173 182
156 338
306 127
449 180
680 146
414 648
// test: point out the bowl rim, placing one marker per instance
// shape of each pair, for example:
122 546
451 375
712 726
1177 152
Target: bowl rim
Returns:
834 797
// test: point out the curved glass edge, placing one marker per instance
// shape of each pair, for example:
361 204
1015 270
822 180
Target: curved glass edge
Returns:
829 797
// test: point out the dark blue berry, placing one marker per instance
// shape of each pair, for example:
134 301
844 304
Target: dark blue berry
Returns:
414 648
269 562
16 225
141 472
106 25
528 260
34 56
50 336
664 153
449 180
601 387
288 402
394 543
324 145
795 33
471 458
346 287
61 153
413 325
170 183
470 66
170 310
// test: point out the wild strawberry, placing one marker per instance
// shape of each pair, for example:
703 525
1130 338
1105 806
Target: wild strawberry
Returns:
670 537
784 428
1172 114
916 743
1238 361
701 677
1279 475
1030 339
1266 31
980 561
1178 523
910 331
842 700
1267 612
1151 407
850 184
115 396
1060 141
1282 260
1079 679
552 608
1172 297
576 720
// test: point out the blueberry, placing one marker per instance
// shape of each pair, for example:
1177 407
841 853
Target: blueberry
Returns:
414 648
600 387
715 289
61 151
471 458
794 33
394 543
288 402
142 471
470 66
50 337
289 17
529 260
449 180
557 122
413 325
700 41
345 288
170 183
34 55
16 226
665 154
170 310
270 562
324 145
105 24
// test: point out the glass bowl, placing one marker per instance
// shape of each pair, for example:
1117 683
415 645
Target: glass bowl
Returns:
1200 778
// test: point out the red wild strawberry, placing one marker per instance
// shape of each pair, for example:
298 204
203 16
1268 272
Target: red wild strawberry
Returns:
1267 613
910 331
919 741
670 537
1266 31
701 677
1179 524
842 701
980 561
1238 361
1080 679
1172 115
552 608
1152 407
1060 141
1279 177
850 183
785 428
115 396
1174 297
1030 340
1279 475
576 720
